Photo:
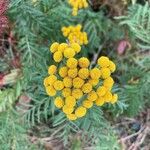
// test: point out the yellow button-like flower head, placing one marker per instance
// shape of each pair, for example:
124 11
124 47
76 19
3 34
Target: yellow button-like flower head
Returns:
51 79
72 117
54 47
57 56
86 88
76 47
63 71
70 101
112 66
52 69
103 61
93 82
67 82
95 73
59 103
58 85
66 92
84 62
67 110
92 96
83 73
72 63
101 91
72 73
77 93
78 82
87 104
114 98
108 96
80 112
69 53
50 91
105 73
62 47
100 101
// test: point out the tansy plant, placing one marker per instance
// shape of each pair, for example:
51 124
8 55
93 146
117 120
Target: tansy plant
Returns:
75 85
77 4
75 35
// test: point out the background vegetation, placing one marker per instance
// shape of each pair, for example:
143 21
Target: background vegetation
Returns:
28 118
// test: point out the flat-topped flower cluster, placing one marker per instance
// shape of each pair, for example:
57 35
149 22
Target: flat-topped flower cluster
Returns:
74 85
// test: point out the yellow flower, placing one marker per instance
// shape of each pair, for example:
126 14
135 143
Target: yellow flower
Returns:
92 96
72 63
66 92
76 47
80 112
46 83
58 85
101 91
108 83
62 47
54 47
72 73
50 91
86 88
84 62
63 72
112 66
52 69
70 101
83 73
87 104
78 82
71 117
100 101
114 98
51 79
105 73
95 73
93 82
77 93
108 96
69 53
67 82
67 110
103 61
57 56
59 103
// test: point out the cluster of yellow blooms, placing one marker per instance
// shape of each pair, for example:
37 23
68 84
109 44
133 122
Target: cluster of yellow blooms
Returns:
77 4
77 86
75 35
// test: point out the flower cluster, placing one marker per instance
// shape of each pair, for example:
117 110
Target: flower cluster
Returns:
75 86
74 34
77 4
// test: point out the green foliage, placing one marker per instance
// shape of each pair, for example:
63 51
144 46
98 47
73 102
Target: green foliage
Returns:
12 133
138 21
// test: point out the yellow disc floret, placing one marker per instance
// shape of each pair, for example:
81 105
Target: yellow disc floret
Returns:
105 73
66 92
72 73
100 101
101 91
72 117
50 91
70 101
67 110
